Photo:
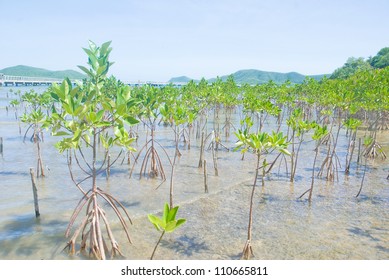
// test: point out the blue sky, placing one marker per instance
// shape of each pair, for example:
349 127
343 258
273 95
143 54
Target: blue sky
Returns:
156 40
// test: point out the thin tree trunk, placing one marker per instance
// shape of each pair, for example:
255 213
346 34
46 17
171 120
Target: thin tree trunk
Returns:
40 163
201 150
214 156
35 193
108 170
247 251
313 175
363 178
292 158
156 246
205 177
173 164
352 147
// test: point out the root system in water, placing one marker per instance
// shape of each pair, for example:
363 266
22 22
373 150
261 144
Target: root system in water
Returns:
335 225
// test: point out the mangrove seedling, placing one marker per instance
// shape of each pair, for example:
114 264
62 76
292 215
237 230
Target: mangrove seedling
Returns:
36 121
35 115
260 144
351 124
167 223
150 100
320 133
87 113
299 128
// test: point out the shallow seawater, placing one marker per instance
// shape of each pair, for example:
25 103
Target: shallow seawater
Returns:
336 225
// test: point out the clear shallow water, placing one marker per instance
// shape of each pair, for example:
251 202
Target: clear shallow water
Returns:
335 226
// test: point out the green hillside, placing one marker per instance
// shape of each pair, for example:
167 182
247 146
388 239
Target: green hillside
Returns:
252 76
28 71
181 79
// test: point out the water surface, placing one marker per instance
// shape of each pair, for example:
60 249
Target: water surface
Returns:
336 225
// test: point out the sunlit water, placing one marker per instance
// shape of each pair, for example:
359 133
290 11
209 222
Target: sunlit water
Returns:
336 225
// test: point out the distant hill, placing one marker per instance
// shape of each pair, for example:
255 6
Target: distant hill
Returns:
252 76
28 71
181 79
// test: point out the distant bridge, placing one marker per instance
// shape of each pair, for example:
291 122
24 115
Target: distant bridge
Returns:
153 84
8 80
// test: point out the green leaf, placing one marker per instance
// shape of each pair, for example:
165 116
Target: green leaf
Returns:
65 88
80 110
103 124
166 211
285 151
105 47
99 115
131 120
103 141
155 221
180 222
92 58
172 214
92 45
171 226
101 70
92 116
77 135
121 109
126 93
67 108
60 133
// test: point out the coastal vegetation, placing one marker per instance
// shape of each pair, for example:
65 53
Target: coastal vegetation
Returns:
274 120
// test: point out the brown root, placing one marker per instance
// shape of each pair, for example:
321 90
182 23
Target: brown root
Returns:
153 160
247 251
374 150
93 238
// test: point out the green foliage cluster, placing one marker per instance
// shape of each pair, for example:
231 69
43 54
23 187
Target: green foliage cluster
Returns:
353 65
98 110
168 222
381 60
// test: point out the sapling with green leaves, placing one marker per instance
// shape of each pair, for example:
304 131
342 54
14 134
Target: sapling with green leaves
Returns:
352 124
14 103
176 114
299 128
167 223
320 132
371 151
260 144
86 114
36 121
372 148
35 115
230 100
245 126
150 102
257 102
